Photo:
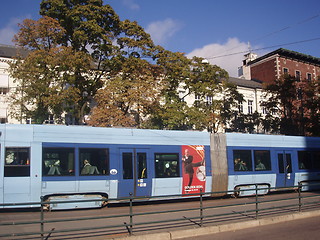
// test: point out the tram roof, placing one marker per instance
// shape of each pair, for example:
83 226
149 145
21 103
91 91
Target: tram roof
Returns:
265 140
99 135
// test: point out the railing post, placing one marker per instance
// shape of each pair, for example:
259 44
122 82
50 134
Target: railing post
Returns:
201 207
299 196
257 204
42 218
131 216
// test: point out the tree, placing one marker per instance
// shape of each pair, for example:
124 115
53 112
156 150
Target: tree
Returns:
75 39
246 123
134 85
45 77
97 42
90 28
310 104
128 98
293 106
172 112
215 97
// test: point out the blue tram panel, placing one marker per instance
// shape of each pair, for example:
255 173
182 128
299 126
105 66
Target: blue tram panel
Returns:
271 161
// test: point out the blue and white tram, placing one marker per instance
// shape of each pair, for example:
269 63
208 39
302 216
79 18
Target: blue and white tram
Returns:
269 161
79 162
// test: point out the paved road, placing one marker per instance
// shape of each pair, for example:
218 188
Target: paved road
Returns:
307 228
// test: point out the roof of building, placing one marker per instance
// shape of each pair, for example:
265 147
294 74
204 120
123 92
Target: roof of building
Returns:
245 83
290 54
8 51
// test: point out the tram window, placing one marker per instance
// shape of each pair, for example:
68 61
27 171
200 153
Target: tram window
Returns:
284 164
94 161
304 160
242 160
280 163
58 162
167 165
316 159
262 161
142 165
288 163
127 159
17 162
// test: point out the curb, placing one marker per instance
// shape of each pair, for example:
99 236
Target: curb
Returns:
180 234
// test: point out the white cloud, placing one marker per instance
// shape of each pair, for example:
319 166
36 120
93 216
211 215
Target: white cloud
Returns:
7 33
131 4
161 31
228 55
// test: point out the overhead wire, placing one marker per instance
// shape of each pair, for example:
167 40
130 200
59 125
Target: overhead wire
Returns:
270 34
288 27
263 48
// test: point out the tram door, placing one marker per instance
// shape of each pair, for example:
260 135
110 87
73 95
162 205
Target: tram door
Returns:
285 178
135 178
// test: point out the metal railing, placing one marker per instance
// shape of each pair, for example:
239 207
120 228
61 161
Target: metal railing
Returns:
128 223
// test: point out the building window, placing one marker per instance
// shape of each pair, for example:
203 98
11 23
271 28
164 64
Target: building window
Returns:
29 121
250 108
50 119
4 90
298 76
264 110
17 162
182 94
309 76
197 100
209 100
167 165
285 71
240 107
299 93
3 120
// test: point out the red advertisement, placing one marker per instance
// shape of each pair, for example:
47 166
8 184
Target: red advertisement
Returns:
194 170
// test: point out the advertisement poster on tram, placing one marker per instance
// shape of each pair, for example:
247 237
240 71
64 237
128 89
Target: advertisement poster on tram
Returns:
194 171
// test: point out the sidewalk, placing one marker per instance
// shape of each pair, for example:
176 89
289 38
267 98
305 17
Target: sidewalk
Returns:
197 232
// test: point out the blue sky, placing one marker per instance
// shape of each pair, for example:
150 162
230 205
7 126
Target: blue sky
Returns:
218 30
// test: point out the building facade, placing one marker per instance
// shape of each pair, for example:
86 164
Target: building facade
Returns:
273 65
252 92
6 82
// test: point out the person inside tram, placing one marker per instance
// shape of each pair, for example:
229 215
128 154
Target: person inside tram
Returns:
240 165
55 168
260 166
88 168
